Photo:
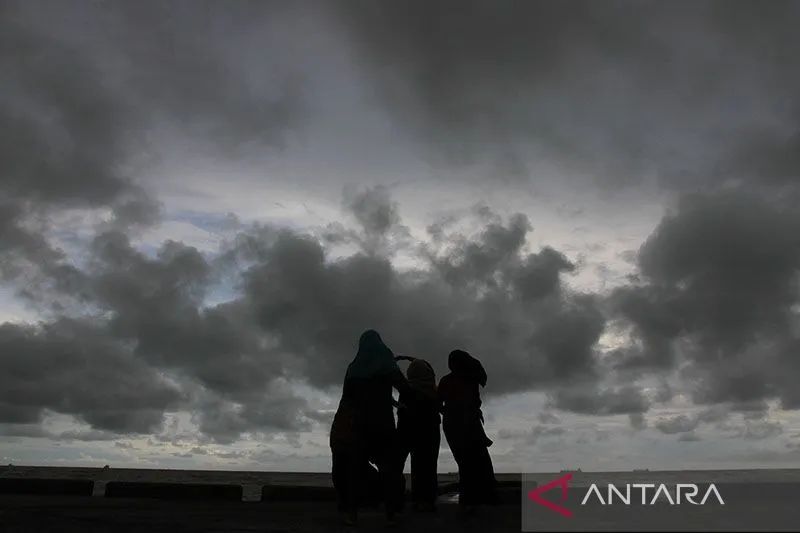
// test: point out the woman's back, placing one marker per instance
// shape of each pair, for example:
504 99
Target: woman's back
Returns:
463 427
459 395
459 392
363 428
371 402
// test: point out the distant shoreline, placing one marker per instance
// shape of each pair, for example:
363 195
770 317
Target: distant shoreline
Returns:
293 472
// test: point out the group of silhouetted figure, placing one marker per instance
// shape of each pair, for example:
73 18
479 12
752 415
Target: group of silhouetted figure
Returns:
364 433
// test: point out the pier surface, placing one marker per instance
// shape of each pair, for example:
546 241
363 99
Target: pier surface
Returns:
754 500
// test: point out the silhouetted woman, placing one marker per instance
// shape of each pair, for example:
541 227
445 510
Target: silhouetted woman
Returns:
418 423
463 427
363 428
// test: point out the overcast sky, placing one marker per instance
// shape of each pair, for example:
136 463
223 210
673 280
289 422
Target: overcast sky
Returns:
203 204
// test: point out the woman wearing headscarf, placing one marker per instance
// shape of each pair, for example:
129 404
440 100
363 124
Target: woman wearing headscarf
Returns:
459 392
363 428
418 423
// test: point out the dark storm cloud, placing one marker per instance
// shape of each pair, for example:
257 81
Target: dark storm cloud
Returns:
376 213
299 311
151 315
538 433
158 304
74 368
299 314
61 126
686 424
374 210
750 429
773 156
637 421
110 69
590 399
719 292
613 90
19 244
86 87
760 430
754 425
275 407
482 294
478 261
677 424
692 94
471 75
535 434
92 88
548 418
495 260
203 67
65 134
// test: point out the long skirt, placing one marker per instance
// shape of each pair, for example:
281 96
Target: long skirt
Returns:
358 484
422 443
476 479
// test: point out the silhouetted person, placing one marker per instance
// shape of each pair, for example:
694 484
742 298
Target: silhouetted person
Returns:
418 423
463 427
363 428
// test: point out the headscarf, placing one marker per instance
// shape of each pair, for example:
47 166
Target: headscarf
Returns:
421 377
467 367
373 359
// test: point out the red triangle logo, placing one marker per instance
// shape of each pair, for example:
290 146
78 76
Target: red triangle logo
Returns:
563 482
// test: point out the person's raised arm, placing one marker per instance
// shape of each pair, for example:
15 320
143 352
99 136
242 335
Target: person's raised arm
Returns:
400 382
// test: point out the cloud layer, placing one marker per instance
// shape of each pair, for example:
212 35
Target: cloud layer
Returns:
418 140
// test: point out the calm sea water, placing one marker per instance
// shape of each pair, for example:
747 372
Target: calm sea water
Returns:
324 478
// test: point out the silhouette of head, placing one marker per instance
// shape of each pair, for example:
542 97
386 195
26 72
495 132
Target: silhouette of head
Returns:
369 339
466 367
421 370
374 358
422 377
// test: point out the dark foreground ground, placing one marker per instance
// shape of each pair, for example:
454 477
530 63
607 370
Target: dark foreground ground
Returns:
18 513
754 500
